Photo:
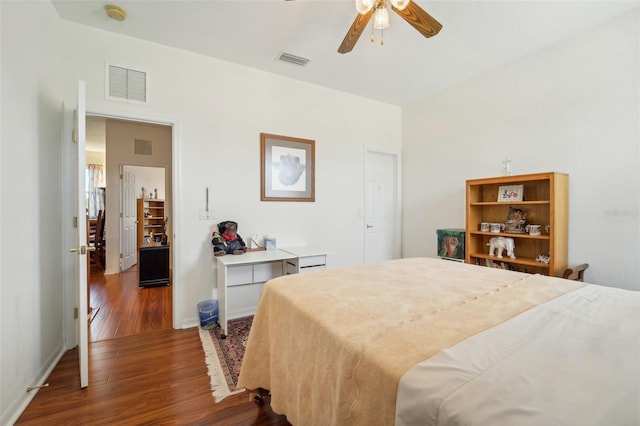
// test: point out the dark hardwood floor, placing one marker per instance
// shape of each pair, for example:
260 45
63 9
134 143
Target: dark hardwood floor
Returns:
141 371
124 309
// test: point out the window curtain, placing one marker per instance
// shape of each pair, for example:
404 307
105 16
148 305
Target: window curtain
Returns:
95 189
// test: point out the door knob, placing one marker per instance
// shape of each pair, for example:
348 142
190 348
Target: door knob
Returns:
369 226
82 249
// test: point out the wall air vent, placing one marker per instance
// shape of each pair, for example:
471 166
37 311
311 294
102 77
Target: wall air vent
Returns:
127 85
293 59
142 147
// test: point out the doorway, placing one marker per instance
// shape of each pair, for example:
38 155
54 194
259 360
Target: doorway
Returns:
140 186
141 146
382 206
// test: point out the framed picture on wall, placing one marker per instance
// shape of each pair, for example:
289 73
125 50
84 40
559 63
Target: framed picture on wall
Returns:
287 168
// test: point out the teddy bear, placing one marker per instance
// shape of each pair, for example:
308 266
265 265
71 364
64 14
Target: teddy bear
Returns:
226 239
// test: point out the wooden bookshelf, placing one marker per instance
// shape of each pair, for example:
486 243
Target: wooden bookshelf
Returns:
545 201
150 214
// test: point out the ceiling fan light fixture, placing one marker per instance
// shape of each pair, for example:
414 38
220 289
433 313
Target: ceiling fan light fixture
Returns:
378 15
400 4
381 18
364 6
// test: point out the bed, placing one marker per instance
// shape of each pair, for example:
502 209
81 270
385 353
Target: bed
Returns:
425 341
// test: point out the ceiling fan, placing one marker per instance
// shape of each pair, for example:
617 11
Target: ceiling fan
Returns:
406 9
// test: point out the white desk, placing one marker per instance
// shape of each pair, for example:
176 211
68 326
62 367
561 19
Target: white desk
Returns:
241 273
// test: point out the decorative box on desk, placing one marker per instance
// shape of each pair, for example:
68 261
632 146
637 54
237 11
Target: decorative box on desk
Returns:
451 244
153 264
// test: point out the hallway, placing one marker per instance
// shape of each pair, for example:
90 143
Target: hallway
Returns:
124 309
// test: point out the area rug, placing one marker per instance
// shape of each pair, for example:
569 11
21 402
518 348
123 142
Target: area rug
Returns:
224 356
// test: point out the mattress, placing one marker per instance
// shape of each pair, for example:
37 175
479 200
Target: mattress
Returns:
574 360
332 346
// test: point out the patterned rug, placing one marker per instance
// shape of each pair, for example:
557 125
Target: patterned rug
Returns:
224 356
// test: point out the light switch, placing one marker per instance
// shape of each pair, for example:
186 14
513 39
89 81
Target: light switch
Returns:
206 214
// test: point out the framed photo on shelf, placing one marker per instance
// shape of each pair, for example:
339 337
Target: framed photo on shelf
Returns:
510 193
287 168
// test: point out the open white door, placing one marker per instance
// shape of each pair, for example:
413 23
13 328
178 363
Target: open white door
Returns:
129 218
81 249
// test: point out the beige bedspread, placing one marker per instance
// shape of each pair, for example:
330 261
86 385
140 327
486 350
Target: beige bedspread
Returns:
332 346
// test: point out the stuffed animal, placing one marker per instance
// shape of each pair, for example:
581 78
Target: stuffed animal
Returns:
226 239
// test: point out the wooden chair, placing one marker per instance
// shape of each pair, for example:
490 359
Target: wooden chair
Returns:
575 273
96 241
100 241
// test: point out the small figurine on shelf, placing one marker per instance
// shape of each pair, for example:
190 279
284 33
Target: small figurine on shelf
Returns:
506 170
516 221
543 258
165 239
226 239
502 243
155 193
143 194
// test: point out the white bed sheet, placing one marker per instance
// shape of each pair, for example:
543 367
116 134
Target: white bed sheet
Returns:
574 360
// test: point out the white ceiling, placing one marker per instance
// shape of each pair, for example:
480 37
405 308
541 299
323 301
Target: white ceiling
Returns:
476 36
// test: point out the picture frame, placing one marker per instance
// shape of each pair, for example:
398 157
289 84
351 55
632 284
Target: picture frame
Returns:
287 168
509 193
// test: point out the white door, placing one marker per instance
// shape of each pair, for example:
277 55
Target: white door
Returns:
381 240
81 248
129 235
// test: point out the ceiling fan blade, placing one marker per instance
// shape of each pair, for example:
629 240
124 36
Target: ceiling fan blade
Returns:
354 32
419 19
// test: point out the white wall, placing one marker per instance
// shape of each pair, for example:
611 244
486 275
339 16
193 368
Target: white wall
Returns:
572 107
31 290
150 178
95 157
219 110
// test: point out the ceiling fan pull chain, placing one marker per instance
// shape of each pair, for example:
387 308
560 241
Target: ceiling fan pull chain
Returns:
373 37
382 37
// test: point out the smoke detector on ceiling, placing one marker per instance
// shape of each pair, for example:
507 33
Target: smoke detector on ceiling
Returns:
115 12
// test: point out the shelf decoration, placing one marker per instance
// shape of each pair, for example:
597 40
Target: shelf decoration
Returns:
506 169
498 244
516 221
510 193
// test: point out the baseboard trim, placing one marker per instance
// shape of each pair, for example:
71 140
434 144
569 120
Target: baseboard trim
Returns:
190 322
22 401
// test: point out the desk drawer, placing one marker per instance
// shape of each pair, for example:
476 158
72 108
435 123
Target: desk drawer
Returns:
320 260
312 269
265 271
238 275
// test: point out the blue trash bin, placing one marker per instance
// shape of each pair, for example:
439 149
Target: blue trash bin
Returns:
208 311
